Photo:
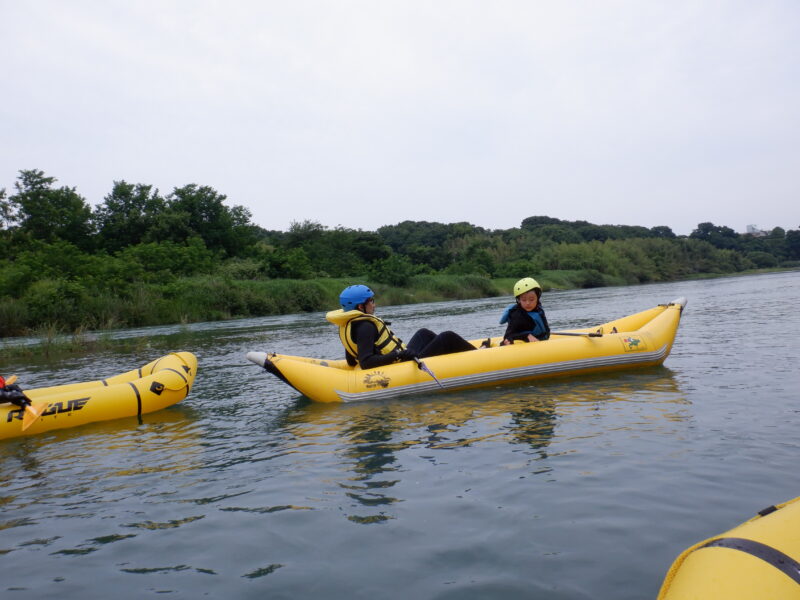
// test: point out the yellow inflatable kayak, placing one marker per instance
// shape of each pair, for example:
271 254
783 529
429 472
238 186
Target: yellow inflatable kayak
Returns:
154 386
758 559
640 340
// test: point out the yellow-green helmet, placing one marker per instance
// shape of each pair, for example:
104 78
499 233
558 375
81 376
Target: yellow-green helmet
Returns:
526 285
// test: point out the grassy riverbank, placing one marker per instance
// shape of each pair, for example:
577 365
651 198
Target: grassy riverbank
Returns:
72 327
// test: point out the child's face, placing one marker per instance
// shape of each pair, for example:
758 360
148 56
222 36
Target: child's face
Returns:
369 306
528 300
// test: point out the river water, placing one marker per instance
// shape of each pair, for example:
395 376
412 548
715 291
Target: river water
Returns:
563 489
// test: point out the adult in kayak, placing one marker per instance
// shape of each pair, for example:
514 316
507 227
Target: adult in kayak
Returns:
370 343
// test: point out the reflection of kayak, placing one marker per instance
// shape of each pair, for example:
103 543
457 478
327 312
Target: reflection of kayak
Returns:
152 387
640 340
758 559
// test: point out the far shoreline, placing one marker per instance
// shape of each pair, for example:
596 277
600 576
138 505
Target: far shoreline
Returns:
49 342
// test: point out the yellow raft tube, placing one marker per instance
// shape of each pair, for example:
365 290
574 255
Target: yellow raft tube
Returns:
758 559
640 340
156 385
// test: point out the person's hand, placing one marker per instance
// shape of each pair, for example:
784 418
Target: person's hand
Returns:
532 339
13 394
506 342
406 354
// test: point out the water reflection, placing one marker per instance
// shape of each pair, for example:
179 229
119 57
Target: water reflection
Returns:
371 450
374 442
74 484
534 424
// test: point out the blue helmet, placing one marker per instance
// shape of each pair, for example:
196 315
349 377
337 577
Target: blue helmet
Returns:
354 295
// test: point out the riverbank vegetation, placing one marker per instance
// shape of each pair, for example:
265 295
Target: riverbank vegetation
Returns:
142 258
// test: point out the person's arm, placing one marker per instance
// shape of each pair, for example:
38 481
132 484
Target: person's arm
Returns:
519 328
537 330
365 334
508 336
545 333
512 328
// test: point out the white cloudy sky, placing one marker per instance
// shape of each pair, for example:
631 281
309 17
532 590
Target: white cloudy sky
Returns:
367 113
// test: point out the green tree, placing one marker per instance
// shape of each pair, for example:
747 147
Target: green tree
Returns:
558 234
396 270
410 234
127 215
338 252
297 265
593 232
6 211
46 213
762 259
534 222
778 232
304 234
718 236
662 231
793 244
194 210
627 232
162 261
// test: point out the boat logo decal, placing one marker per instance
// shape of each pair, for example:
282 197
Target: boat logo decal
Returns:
157 388
376 379
53 408
633 344
65 407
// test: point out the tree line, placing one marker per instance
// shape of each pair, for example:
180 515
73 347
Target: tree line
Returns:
117 263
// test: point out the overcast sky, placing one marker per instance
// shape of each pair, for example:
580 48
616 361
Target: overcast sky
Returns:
369 113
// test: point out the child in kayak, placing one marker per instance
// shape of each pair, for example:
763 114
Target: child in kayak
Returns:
526 319
370 343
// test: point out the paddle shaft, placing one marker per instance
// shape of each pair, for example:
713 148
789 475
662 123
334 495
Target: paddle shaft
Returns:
576 334
425 368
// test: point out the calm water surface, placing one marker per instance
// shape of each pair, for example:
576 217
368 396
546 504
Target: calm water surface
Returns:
565 489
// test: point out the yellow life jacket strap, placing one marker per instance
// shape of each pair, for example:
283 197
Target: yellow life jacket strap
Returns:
385 342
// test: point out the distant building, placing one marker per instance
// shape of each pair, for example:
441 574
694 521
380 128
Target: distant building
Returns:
756 232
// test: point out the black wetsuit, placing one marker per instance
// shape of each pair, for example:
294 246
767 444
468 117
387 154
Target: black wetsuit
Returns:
364 333
520 324
423 343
